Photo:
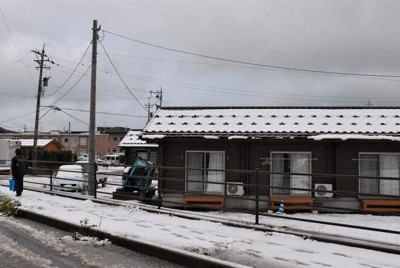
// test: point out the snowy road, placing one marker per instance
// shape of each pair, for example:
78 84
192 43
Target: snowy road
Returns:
28 244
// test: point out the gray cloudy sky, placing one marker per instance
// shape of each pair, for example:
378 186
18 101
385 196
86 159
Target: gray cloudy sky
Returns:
341 37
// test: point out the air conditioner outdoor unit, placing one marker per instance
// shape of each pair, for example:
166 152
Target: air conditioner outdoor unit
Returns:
234 188
323 187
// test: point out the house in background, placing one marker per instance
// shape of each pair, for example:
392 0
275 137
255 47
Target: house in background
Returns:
107 139
42 144
293 149
131 144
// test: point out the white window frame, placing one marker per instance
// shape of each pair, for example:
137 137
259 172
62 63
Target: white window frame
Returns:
204 183
82 140
392 186
292 192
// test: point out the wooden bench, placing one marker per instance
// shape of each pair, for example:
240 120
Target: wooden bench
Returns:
380 205
203 201
292 202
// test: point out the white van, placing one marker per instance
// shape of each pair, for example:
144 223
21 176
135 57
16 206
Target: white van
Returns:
112 159
70 178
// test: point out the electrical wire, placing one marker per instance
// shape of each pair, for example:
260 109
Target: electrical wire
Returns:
69 77
230 66
18 117
15 45
253 64
97 112
137 100
46 113
251 93
60 110
106 113
73 86
73 117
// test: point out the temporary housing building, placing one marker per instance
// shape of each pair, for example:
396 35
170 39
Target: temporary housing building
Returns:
332 157
133 146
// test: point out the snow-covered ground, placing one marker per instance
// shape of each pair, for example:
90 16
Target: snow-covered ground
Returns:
243 246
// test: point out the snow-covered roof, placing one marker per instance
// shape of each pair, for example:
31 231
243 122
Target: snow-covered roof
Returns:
132 139
256 122
40 142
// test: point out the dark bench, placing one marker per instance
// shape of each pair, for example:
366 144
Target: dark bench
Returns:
203 201
380 205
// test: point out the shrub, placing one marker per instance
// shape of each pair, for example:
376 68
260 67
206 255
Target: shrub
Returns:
8 206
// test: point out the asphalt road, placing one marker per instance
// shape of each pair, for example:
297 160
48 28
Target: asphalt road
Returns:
24 243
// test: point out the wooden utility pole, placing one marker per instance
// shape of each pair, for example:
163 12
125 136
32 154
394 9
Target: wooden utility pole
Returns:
39 95
92 124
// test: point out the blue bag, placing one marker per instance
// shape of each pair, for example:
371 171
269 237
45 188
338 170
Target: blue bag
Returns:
12 185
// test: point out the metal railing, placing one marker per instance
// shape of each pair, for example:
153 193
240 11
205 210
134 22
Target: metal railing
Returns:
172 182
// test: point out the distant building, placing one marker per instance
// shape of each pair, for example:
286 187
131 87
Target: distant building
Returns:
115 136
107 139
42 144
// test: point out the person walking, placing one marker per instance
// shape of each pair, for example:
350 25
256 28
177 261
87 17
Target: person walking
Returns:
19 167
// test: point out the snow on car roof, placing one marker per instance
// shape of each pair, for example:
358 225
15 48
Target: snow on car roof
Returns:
70 167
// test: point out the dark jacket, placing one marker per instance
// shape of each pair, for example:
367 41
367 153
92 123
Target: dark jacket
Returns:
19 165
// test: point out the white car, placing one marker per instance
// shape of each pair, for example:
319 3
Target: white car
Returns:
70 178
101 172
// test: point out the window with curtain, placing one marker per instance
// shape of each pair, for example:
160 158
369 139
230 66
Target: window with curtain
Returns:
379 165
284 182
203 171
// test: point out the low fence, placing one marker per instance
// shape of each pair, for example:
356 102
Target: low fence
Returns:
251 192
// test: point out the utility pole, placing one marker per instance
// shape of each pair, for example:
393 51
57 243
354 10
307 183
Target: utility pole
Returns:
69 136
92 123
157 95
39 95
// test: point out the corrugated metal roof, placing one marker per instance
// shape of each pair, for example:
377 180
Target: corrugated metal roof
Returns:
271 121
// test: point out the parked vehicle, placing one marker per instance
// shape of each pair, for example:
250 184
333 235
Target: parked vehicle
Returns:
70 178
112 159
7 151
85 157
101 171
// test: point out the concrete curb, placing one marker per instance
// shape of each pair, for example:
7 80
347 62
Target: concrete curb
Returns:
176 256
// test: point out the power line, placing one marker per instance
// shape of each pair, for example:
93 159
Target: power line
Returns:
121 77
97 112
15 45
74 117
254 64
73 71
60 110
73 86
24 115
106 113
247 93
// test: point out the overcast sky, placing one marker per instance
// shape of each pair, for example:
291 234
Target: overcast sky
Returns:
327 53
